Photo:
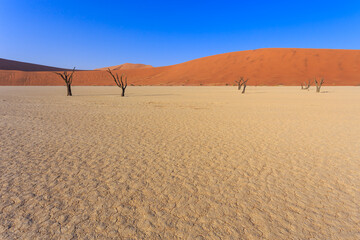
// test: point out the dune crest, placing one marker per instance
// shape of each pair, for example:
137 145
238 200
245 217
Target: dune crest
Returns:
6 64
126 66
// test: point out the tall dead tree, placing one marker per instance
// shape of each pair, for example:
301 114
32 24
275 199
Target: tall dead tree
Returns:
68 78
121 81
319 84
242 82
304 86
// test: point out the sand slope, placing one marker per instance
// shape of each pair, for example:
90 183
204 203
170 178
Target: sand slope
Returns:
179 163
126 66
262 66
6 64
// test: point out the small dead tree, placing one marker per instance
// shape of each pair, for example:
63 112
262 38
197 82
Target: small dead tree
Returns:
120 82
304 86
239 82
244 84
68 78
319 84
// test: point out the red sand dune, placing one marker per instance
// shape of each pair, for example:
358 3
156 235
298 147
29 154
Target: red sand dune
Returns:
125 66
275 66
6 64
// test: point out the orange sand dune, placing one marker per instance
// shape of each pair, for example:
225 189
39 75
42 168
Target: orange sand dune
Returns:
6 64
274 66
126 66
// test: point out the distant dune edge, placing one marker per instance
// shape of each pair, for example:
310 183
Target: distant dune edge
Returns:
270 67
125 66
6 64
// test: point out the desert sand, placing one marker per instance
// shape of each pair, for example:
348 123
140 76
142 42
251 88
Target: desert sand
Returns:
270 67
179 163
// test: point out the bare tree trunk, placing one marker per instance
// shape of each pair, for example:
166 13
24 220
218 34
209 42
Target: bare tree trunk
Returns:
243 91
68 87
318 87
319 84
123 92
239 86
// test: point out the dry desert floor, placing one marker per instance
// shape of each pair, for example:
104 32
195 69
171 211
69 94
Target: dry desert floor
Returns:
179 163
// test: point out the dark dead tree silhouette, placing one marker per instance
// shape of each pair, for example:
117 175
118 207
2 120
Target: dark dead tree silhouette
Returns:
305 86
68 78
239 82
242 82
319 84
121 81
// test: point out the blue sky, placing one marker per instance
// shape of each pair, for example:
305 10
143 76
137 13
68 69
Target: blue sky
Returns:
92 34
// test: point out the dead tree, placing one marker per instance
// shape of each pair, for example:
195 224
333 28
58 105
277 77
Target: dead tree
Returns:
120 82
244 84
239 82
319 84
304 86
68 78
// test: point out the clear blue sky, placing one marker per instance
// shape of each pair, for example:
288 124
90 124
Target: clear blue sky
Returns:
91 34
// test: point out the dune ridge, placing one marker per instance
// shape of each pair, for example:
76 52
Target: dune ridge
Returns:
6 64
270 66
125 66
